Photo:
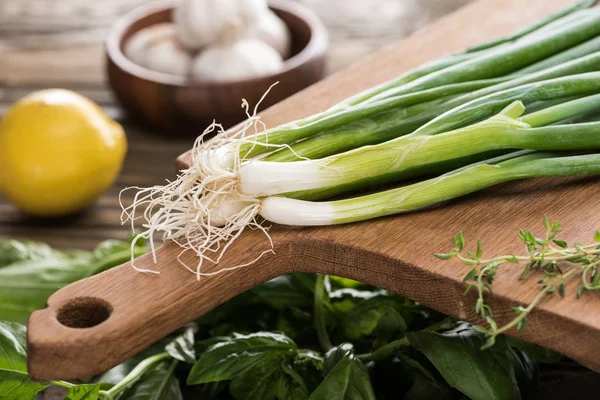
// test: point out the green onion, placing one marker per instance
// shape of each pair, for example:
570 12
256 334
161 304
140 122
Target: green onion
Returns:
562 22
583 49
403 106
558 15
560 112
505 60
477 105
464 112
472 52
413 197
423 70
483 107
387 161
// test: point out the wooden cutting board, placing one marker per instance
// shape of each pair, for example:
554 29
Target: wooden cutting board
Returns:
394 253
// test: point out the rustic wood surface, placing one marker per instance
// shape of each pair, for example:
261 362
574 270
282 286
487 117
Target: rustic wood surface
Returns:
394 253
49 43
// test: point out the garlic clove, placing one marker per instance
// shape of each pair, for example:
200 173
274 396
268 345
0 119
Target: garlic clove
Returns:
158 48
261 57
183 21
253 10
244 59
136 46
169 57
200 23
273 31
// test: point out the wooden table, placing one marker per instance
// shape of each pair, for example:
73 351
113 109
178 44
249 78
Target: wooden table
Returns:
48 43
58 43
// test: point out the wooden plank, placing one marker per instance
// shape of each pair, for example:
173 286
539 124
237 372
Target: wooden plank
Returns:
394 253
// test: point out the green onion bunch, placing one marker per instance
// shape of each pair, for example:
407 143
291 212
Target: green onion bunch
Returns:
523 106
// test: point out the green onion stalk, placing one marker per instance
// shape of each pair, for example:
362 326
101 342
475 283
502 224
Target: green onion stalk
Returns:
563 16
427 193
549 21
379 122
388 161
504 60
581 50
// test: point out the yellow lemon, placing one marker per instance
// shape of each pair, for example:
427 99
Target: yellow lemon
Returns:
59 151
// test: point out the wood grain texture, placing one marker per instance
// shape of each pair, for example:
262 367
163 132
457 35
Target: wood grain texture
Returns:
394 253
49 42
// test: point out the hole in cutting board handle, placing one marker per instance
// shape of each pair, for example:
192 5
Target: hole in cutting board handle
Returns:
84 312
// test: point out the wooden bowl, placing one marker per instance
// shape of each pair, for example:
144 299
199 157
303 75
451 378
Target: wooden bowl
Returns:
182 105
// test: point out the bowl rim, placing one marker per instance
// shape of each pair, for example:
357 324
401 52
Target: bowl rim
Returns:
315 48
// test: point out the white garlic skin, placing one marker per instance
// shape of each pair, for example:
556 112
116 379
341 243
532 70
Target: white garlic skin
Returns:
200 23
157 48
244 59
273 31
169 57
136 46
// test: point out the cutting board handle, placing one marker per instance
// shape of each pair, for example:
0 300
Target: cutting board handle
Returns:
94 324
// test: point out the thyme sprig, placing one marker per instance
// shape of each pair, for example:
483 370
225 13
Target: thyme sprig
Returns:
554 257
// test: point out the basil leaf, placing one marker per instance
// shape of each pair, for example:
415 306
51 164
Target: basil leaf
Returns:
422 389
108 248
259 383
348 297
345 282
25 286
539 353
83 392
366 316
411 377
213 390
346 377
345 299
12 251
527 372
391 325
238 355
182 347
309 366
14 380
243 313
269 381
118 373
295 323
457 355
291 386
291 290
200 346
159 383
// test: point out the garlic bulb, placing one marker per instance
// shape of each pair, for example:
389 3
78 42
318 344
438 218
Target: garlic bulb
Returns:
273 31
157 48
243 59
200 23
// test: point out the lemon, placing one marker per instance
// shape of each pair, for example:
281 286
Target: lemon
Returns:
59 151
